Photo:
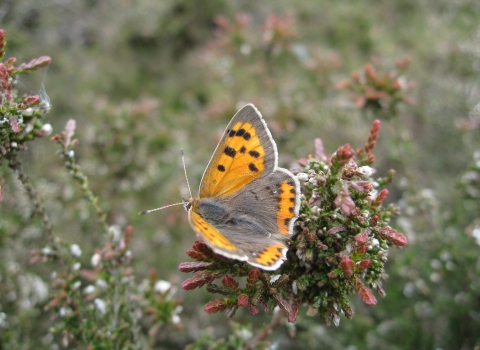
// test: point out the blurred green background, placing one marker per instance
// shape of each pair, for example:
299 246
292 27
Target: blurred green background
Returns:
144 79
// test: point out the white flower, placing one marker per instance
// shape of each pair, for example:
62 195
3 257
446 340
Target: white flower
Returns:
3 318
102 284
295 287
366 171
28 112
476 234
89 289
13 144
75 250
95 259
47 129
100 305
64 311
76 285
274 278
46 251
302 176
162 286
176 319
76 266
115 232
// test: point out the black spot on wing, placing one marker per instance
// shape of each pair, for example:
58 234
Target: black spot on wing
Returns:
231 133
229 151
240 132
243 150
247 136
254 154
252 167
221 168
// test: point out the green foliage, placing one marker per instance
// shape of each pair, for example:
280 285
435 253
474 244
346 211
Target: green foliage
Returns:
142 82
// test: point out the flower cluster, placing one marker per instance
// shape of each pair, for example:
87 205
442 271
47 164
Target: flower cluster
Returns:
377 89
341 245
20 116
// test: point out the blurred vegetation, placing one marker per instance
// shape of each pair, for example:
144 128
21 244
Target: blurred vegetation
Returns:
144 79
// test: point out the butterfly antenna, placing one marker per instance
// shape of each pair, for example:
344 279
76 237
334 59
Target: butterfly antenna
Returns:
185 169
152 210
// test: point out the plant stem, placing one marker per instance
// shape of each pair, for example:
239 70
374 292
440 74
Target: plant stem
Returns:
277 317
38 204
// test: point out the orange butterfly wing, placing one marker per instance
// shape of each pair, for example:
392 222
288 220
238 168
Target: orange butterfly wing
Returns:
219 243
246 152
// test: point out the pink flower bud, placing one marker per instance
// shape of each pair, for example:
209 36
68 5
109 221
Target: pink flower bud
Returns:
230 283
193 266
253 309
197 281
292 316
364 264
362 237
242 300
365 293
394 237
347 265
252 278
345 202
215 306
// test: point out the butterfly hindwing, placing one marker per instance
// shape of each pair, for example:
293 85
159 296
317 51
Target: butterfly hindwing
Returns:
215 239
272 201
255 221
245 152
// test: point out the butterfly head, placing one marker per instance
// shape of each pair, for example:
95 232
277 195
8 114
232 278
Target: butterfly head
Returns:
188 204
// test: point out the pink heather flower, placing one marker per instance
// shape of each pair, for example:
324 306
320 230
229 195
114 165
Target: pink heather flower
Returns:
70 130
345 202
200 251
230 283
215 306
319 151
364 293
336 229
253 309
14 125
193 266
347 265
362 237
252 278
197 281
292 316
361 186
394 236
242 300
364 264
380 198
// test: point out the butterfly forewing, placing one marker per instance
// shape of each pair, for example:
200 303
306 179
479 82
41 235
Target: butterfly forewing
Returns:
246 152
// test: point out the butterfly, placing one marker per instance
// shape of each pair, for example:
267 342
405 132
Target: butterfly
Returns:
247 205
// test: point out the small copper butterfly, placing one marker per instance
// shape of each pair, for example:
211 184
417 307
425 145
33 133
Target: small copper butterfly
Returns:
247 205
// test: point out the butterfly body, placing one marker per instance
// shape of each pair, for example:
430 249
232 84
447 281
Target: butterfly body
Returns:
247 204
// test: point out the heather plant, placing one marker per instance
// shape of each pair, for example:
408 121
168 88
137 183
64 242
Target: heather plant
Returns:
97 304
341 246
144 81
